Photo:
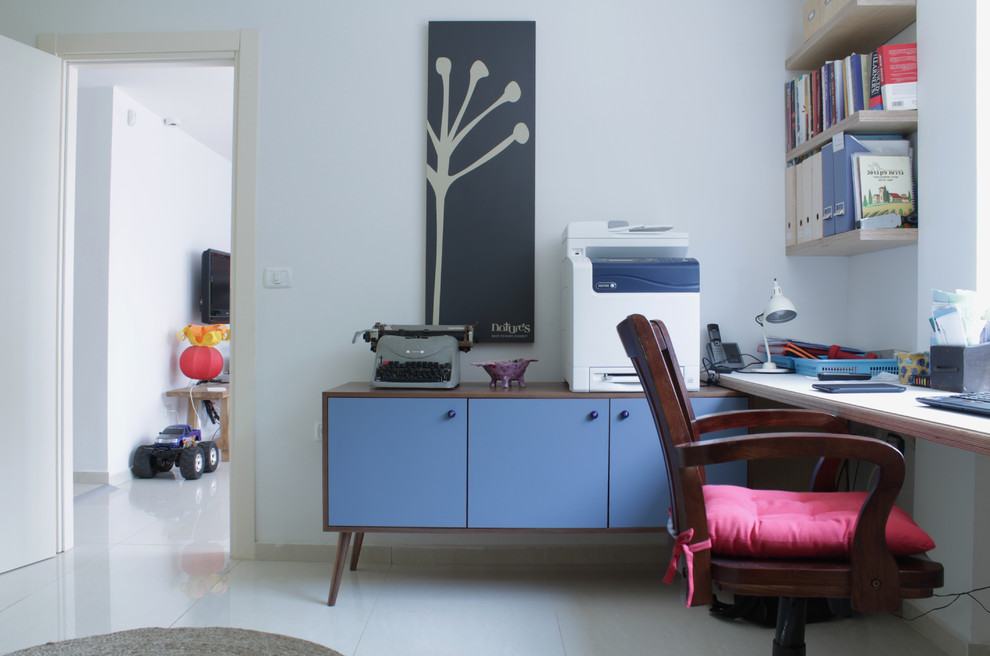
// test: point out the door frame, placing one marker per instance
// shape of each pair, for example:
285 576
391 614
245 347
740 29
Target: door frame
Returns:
241 47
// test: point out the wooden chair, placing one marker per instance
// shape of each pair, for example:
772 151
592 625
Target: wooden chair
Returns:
869 576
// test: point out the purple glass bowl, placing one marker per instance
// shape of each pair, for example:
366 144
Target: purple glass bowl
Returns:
506 370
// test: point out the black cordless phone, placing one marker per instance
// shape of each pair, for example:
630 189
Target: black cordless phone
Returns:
724 356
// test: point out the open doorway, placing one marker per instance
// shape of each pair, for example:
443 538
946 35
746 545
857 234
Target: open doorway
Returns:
152 192
242 48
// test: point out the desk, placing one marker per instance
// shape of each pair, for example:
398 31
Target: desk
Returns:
898 413
208 392
951 486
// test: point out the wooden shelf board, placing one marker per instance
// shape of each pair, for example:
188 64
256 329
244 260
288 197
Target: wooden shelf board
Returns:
870 121
855 242
860 26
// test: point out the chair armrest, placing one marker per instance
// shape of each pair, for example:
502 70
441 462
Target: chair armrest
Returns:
875 580
788 445
823 479
781 417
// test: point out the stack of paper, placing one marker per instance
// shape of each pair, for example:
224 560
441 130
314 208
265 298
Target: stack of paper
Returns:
959 318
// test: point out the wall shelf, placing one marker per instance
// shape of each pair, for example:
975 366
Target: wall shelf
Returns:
855 242
869 121
857 27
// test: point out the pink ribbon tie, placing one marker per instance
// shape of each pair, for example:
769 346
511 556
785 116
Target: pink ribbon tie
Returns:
683 546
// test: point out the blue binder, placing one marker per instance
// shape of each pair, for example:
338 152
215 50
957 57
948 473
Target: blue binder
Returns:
828 190
843 209
843 203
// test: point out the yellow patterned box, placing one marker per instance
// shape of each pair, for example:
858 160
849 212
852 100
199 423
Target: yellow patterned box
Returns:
911 366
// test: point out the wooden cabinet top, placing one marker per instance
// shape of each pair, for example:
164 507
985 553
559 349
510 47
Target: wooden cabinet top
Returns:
484 391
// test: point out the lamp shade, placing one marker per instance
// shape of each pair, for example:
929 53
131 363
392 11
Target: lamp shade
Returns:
779 308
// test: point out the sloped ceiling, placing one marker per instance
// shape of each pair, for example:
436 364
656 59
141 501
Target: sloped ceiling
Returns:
200 95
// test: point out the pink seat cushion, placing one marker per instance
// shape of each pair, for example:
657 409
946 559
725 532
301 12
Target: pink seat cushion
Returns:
776 524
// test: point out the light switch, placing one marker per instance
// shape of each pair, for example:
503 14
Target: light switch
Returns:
278 278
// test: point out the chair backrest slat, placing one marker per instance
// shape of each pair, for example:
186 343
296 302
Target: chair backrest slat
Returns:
647 344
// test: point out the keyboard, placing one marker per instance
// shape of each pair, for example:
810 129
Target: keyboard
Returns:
415 371
975 402
416 362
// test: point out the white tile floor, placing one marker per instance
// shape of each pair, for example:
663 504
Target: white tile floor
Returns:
155 553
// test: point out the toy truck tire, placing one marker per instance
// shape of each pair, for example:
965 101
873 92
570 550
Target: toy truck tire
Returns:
145 463
192 462
211 455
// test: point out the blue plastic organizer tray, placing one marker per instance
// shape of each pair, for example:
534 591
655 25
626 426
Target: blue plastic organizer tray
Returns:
808 367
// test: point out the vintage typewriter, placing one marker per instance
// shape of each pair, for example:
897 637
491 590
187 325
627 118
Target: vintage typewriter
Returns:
417 356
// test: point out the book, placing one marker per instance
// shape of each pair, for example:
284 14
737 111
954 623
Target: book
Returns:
816 102
856 83
885 186
840 95
789 113
802 109
865 64
898 64
876 98
827 104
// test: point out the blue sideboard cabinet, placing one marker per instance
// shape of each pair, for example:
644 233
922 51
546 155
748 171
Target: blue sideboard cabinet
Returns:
538 463
481 459
397 462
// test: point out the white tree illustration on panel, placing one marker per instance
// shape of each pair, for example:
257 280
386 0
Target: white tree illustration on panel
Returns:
441 179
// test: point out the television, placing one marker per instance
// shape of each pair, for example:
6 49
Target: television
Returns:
214 299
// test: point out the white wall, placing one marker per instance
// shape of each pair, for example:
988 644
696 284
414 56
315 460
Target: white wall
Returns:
650 111
951 499
159 198
882 287
91 337
655 111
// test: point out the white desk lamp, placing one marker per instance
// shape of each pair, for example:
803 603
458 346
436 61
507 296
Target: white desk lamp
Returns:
778 310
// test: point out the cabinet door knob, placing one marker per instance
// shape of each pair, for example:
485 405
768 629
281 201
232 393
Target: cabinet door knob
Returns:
451 414
593 414
624 414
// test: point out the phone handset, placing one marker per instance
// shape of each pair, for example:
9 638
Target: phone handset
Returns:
715 349
723 356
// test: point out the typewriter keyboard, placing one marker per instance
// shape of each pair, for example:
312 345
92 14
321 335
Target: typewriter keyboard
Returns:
414 371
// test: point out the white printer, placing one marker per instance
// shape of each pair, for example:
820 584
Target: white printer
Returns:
611 270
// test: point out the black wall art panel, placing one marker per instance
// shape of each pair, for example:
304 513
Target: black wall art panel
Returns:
480 172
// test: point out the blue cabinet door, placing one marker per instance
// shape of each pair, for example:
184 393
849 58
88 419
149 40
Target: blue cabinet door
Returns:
397 462
638 489
538 463
639 494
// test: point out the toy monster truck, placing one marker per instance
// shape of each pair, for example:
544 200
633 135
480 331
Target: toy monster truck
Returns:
177 444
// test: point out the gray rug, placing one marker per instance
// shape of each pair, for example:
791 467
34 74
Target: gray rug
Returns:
215 641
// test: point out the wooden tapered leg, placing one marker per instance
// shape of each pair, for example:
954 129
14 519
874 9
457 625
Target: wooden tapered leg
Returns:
356 550
338 566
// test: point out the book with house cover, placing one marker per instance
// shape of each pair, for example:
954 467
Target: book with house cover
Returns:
899 75
885 185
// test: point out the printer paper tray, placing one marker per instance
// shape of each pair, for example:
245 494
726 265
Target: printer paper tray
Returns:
624 379
613 379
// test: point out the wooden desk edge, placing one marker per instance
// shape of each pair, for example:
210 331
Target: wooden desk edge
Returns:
961 438
474 390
